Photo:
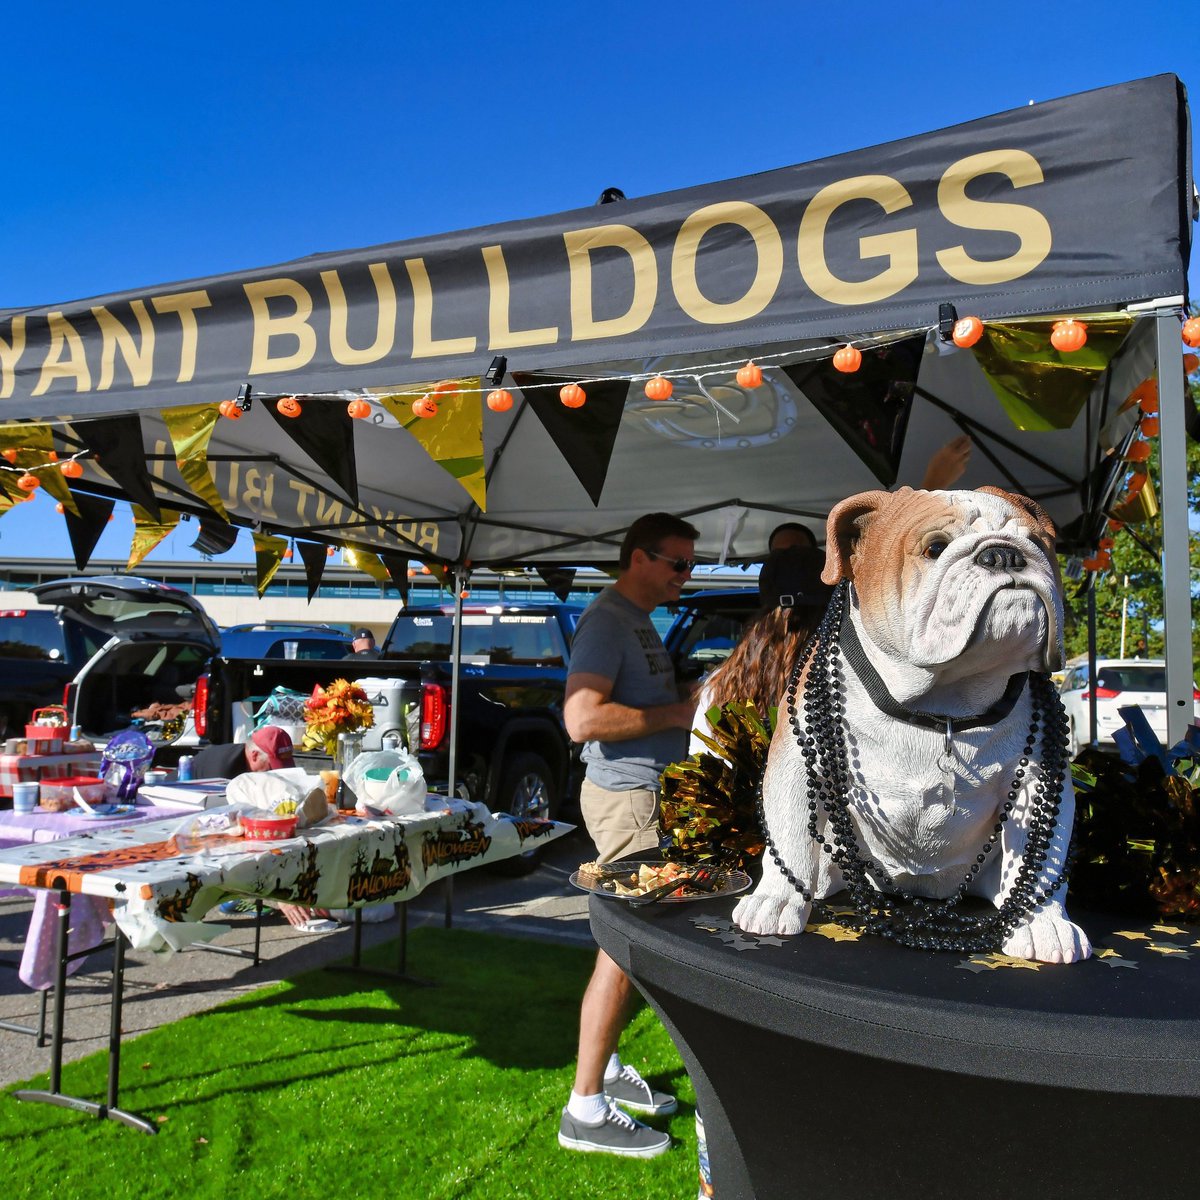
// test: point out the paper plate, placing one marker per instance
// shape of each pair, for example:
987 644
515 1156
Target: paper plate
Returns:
733 883
110 810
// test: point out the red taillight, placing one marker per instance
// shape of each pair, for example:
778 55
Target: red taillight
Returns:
13 612
434 711
1196 693
1103 693
200 706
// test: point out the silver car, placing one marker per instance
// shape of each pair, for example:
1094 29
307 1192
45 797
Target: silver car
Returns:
1119 682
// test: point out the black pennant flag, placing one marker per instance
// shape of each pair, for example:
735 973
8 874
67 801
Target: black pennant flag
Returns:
869 407
85 530
326 434
315 557
397 568
584 436
558 580
117 444
215 537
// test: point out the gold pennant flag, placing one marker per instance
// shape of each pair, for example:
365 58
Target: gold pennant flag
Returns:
268 554
147 532
366 562
1142 506
1040 387
453 438
191 428
34 445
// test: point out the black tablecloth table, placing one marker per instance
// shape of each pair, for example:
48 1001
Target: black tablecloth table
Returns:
827 1067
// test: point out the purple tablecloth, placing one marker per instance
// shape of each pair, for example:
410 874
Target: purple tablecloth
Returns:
89 914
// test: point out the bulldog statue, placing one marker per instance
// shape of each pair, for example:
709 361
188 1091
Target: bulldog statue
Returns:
919 755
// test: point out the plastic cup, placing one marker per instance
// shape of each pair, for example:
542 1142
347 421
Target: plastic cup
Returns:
25 796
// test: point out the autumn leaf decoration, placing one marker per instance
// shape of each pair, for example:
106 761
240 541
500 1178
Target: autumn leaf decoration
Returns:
342 707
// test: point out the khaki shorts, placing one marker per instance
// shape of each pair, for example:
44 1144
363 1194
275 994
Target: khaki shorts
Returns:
620 823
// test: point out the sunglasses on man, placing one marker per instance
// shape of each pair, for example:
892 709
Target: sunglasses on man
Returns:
678 565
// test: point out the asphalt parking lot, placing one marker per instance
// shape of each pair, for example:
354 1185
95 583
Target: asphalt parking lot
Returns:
160 988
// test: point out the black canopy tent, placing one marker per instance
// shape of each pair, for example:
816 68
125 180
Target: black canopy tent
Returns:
1075 207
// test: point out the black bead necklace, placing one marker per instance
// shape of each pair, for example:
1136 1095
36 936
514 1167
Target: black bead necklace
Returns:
880 905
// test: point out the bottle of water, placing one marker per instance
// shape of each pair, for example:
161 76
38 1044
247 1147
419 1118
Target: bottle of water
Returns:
184 771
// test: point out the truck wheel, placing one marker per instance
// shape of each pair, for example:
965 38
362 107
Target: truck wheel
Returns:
527 789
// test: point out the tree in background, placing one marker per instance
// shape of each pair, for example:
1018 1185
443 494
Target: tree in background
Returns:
1129 595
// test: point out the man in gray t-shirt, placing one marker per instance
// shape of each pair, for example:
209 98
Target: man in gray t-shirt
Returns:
622 701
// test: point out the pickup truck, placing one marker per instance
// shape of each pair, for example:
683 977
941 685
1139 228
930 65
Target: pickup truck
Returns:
513 751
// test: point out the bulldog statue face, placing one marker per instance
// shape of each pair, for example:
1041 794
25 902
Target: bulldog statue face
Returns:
952 598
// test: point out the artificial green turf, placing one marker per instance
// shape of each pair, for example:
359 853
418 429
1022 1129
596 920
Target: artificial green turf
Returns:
338 1085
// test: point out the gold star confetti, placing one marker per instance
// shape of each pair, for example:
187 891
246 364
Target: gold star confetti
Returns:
1017 964
839 910
975 964
1164 948
1104 952
1170 929
835 933
1132 934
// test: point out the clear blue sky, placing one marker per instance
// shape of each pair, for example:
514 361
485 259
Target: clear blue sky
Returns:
146 143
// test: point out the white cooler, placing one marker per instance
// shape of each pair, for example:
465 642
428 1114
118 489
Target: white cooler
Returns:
387 697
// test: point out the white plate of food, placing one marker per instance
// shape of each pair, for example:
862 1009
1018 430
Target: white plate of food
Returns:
632 879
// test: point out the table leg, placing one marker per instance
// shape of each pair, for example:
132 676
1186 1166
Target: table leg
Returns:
400 974
109 1110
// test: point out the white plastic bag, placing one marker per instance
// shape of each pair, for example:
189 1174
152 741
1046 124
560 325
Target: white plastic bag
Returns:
387 781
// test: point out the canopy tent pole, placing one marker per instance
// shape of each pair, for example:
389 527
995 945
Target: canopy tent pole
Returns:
459 575
1093 732
1176 561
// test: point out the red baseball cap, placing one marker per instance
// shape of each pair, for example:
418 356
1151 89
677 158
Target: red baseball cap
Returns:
275 744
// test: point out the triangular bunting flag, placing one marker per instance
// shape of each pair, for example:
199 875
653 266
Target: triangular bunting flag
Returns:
191 427
215 537
454 437
148 532
1039 387
325 433
315 557
34 447
268 554
86 524
366 562
584 436
396 566
868 408
116 446
558 580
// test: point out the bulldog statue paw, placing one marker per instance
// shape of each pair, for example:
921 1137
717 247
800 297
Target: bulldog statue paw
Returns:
926 756
770 915
1048 935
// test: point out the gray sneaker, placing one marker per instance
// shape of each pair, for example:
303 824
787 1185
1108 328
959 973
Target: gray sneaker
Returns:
631 1091
616 1133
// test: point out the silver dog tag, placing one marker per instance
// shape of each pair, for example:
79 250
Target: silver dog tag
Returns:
945 764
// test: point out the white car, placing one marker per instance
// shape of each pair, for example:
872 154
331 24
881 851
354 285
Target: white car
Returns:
1119 682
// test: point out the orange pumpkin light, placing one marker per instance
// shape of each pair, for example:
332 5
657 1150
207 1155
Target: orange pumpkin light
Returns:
288 552
749 376
1137 481
967 332
572 395
329 552
1068 336
425 570
54 456
1138 452
71 469
1103 560
60 508
359 408
1147 396
847 360
425 407
1149 427
1116 526
500 400
28 483
1106 543
412 574
659 388
11 455
464 594
229 408
1190 363
288 406
1191 331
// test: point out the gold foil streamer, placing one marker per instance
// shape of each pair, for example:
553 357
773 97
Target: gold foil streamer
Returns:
366 562
191 428
268 554
1139 508
454 438
34 444
1039 387
147 532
